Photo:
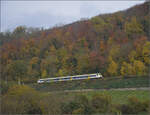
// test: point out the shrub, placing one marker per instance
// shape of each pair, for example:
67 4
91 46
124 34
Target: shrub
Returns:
145 106
79 105
101 103
84 103
20 99
135 106
125 109
68 108
78 111
4 87
116 109
50 104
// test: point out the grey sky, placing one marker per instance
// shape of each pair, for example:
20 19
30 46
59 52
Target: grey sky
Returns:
49 13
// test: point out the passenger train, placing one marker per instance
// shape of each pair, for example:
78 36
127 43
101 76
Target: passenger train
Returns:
67 78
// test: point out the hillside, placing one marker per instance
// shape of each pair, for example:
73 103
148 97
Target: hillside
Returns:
114 44
106 83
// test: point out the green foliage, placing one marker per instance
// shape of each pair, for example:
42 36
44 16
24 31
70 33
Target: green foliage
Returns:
133 27
83 64
4 86
70 107
135 106
98 23
20 100
101 103
32 70
80 105
50 104
17 69
49 66
19 32
19 29
101 26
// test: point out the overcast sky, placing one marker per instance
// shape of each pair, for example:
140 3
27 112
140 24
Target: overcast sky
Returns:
49 13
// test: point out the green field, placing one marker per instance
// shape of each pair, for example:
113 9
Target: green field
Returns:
53 99
118 97
121 96
105 83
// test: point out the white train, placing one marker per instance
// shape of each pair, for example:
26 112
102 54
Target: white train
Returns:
67 78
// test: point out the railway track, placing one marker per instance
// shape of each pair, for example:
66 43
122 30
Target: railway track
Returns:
115 89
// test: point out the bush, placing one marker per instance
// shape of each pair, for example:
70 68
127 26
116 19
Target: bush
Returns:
79 105
50 104
125 109
135 106
68 108
101 103
145 105
116 109
4 86
84 103
20 99
78 111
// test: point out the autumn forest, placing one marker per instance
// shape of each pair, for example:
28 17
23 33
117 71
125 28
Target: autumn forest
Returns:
115 45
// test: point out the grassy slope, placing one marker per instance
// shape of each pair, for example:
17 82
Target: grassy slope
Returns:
94 84
121 96
118 97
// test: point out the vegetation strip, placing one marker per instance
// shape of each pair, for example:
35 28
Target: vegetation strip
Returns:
115 89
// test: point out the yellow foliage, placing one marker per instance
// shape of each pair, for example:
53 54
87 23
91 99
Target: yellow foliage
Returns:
132 56
146 52
136 68
20 90
34 60
126 69
139 68
115 50
133 27
44 74
112 68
